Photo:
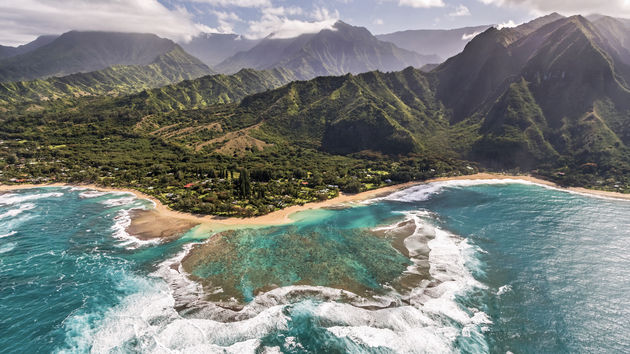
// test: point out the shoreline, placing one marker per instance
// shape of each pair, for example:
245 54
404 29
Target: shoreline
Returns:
154 223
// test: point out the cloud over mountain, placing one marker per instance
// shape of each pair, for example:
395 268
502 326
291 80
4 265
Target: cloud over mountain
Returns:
22 21
279 22
608 7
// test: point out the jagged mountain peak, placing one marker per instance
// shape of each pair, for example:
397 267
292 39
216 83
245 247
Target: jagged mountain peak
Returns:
533 25
343 49
86 51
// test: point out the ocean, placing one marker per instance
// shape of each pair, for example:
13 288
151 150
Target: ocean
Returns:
459 266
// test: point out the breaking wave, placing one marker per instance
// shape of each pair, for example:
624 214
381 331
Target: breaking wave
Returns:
122 220
14 198
17 211
425 191
169 313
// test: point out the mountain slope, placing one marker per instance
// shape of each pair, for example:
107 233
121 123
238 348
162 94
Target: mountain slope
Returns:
344 49
208 90
470 81
475 76
563 94
213 48
547 93
533 25
617 33
75 52
441 43
514 132
393 113
171 67
6 52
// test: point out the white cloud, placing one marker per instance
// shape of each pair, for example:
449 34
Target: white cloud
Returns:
469 36
237 3
24 20
378 21
460 10
421 3
283 11
277 23
226 21
508 24
323 14
568 7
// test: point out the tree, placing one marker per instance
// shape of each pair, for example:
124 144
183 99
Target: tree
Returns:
353 186
12 159
244 185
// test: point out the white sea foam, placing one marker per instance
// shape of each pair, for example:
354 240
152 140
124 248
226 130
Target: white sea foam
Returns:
8 234
431 322
425 191
94 194
504 289
120 201
119 231
122 220
15 212
435 319
448 258
7 247
147 321
75 188
426 319
149 318
13 198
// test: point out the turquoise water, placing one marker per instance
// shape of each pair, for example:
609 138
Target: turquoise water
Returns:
513 267
325 248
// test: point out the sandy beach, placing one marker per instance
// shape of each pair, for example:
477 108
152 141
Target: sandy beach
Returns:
163 222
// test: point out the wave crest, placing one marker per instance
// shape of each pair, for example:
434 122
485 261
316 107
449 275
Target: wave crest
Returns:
170 313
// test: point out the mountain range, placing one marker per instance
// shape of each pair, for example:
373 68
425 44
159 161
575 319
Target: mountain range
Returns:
550 95
337 51
442 44
171 67
6 51
79 52
213 48
78 64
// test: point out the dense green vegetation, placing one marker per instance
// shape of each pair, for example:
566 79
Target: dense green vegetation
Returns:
172 67
549 98
108 150
187 94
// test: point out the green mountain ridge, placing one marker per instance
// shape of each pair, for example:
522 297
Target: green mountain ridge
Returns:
343 49
171 67
550 93
81 52
549 96
565 76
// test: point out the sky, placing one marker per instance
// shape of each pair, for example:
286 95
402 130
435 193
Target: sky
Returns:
21 21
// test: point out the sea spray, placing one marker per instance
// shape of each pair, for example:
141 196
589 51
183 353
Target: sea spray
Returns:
122 222
432 324
17 198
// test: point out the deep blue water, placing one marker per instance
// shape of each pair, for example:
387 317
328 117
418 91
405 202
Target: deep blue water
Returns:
515 267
